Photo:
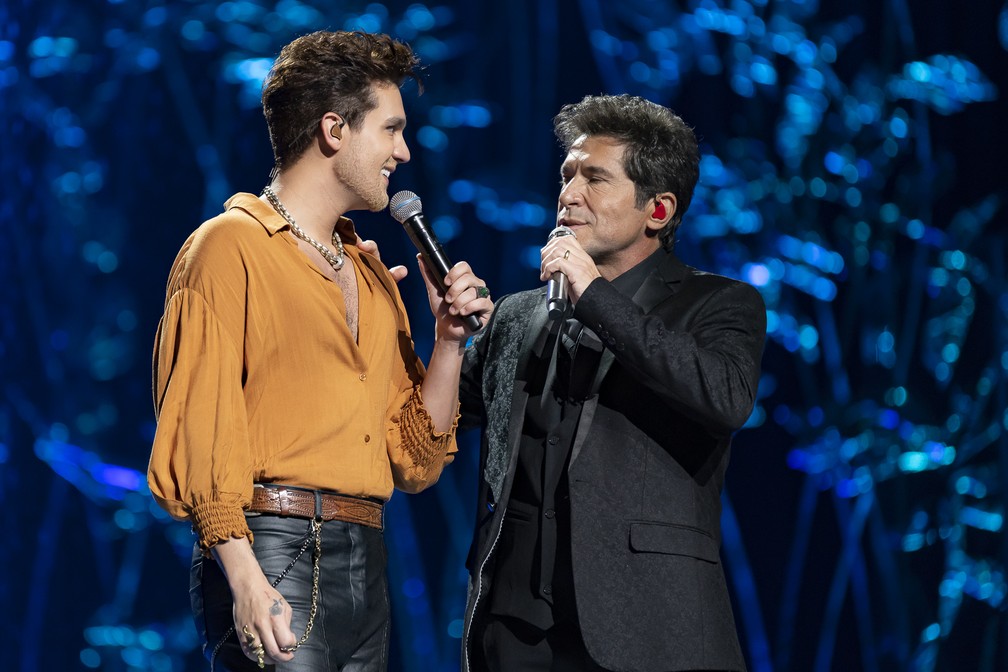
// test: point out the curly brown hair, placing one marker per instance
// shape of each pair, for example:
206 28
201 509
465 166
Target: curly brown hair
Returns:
329 71
660 151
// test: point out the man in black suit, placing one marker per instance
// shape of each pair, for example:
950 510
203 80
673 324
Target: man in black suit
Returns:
606 435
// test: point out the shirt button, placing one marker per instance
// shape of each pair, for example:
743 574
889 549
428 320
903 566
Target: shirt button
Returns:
550 513
553 440
367 438
363 376
547 589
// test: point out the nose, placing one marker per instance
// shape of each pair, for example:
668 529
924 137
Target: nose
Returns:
570 194
401 151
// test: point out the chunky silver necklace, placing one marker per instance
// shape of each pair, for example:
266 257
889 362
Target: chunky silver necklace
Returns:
335 260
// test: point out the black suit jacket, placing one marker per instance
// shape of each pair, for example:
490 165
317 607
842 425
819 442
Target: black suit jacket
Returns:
678 375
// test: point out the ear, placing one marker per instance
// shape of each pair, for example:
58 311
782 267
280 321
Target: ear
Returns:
660 210
332 128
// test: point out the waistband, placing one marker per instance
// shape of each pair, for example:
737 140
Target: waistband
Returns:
286 500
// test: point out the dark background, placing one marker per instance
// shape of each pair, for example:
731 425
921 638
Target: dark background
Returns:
853 170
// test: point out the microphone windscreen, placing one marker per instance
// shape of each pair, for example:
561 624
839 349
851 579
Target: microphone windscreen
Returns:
561 231
404 205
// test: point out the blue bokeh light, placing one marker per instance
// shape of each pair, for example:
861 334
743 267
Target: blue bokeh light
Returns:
829 180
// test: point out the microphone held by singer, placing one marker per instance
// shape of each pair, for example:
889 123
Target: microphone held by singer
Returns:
407 209
557 297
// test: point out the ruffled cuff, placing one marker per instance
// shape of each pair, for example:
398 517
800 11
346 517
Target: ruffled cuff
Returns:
425 446
217 521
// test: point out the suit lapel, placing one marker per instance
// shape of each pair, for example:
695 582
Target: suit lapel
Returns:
535 339
591 403
533 343
660 285
532 350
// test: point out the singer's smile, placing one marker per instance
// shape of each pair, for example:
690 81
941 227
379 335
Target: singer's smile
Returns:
371 148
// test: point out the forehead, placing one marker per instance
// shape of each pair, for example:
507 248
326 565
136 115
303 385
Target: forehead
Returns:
596 151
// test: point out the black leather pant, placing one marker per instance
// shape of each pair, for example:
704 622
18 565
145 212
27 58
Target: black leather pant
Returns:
351 632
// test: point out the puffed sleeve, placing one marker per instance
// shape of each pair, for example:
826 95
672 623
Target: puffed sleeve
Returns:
422 452
417 451
200 464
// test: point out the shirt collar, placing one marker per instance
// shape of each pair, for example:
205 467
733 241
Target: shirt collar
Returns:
628 282
271 220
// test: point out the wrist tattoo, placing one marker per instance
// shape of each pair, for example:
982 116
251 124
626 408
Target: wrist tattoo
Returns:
276 608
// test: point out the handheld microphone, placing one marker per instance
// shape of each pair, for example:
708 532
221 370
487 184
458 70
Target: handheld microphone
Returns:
407 209
557 299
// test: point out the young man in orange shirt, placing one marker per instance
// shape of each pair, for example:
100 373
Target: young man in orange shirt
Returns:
290 401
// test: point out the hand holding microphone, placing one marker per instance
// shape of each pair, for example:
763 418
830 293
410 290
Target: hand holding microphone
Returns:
407 209
557 295
568 269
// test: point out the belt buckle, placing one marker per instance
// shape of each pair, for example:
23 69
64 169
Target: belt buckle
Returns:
284 497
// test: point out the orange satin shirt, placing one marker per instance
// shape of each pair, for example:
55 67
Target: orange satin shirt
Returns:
257 377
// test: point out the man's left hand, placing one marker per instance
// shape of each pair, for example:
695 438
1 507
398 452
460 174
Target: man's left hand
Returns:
371 247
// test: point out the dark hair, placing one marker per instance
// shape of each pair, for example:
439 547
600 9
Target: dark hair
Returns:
328 71
660 150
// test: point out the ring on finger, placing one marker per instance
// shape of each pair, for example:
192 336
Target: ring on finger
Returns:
260 657
482 292
566 255
249 636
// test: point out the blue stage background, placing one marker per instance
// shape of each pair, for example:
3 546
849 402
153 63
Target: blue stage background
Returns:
853 169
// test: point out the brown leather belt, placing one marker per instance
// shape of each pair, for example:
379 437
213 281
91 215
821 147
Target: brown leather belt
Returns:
303 503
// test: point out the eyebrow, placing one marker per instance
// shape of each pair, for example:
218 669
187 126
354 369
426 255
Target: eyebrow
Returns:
398 122
598 170
587 169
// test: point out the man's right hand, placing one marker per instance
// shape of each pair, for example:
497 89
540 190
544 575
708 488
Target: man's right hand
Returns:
262 616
